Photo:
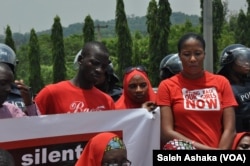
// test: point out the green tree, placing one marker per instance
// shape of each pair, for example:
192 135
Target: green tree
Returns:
10 42
59 68
8 39
35 78
228 30
164 23
22 69
218 21
136 58
232 22
124 42
73 44
88 29
248 23
152 28
241 30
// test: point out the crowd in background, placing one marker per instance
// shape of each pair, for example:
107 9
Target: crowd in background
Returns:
200 109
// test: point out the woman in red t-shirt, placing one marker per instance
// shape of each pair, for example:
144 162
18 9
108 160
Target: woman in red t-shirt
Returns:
196 106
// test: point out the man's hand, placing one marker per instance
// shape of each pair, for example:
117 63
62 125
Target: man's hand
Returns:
25 92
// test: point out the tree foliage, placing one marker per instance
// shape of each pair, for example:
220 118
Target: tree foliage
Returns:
8 39
153 31
140 47
218 21
22 68
241 30
35 78
163 27
124 42
88 29
59 68
136 58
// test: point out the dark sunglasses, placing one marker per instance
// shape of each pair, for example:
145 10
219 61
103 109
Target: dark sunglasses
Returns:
131 68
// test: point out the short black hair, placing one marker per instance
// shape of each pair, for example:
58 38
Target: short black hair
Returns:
87 48
189 35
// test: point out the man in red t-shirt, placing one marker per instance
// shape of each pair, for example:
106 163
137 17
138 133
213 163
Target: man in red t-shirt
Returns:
79 94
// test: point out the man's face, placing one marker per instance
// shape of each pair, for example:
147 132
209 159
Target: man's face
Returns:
6 78
93 66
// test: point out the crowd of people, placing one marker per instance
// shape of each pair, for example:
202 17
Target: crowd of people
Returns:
203 110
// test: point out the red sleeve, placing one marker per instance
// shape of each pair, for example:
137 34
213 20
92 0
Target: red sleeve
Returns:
163 94
43 100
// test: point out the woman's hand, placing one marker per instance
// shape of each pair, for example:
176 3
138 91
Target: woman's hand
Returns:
149 105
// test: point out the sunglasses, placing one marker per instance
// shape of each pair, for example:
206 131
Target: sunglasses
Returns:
139 68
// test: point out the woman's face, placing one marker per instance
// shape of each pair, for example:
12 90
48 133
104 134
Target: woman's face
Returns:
192 56
138 89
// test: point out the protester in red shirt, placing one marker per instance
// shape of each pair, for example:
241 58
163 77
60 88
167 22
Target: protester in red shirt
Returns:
79 94
108 82
196 105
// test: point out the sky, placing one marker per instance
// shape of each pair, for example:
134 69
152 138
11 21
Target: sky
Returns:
23 15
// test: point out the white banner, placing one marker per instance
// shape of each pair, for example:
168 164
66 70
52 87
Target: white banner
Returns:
59 139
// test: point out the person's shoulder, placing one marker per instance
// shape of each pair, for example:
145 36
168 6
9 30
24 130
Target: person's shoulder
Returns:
100 93
56 85
59 83
216 77
53 88
169 80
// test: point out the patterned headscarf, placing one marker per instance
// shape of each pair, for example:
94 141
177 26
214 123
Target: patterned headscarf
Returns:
115 143
176 144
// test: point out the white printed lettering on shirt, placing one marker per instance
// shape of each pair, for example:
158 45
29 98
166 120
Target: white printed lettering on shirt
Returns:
201 99
79 106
